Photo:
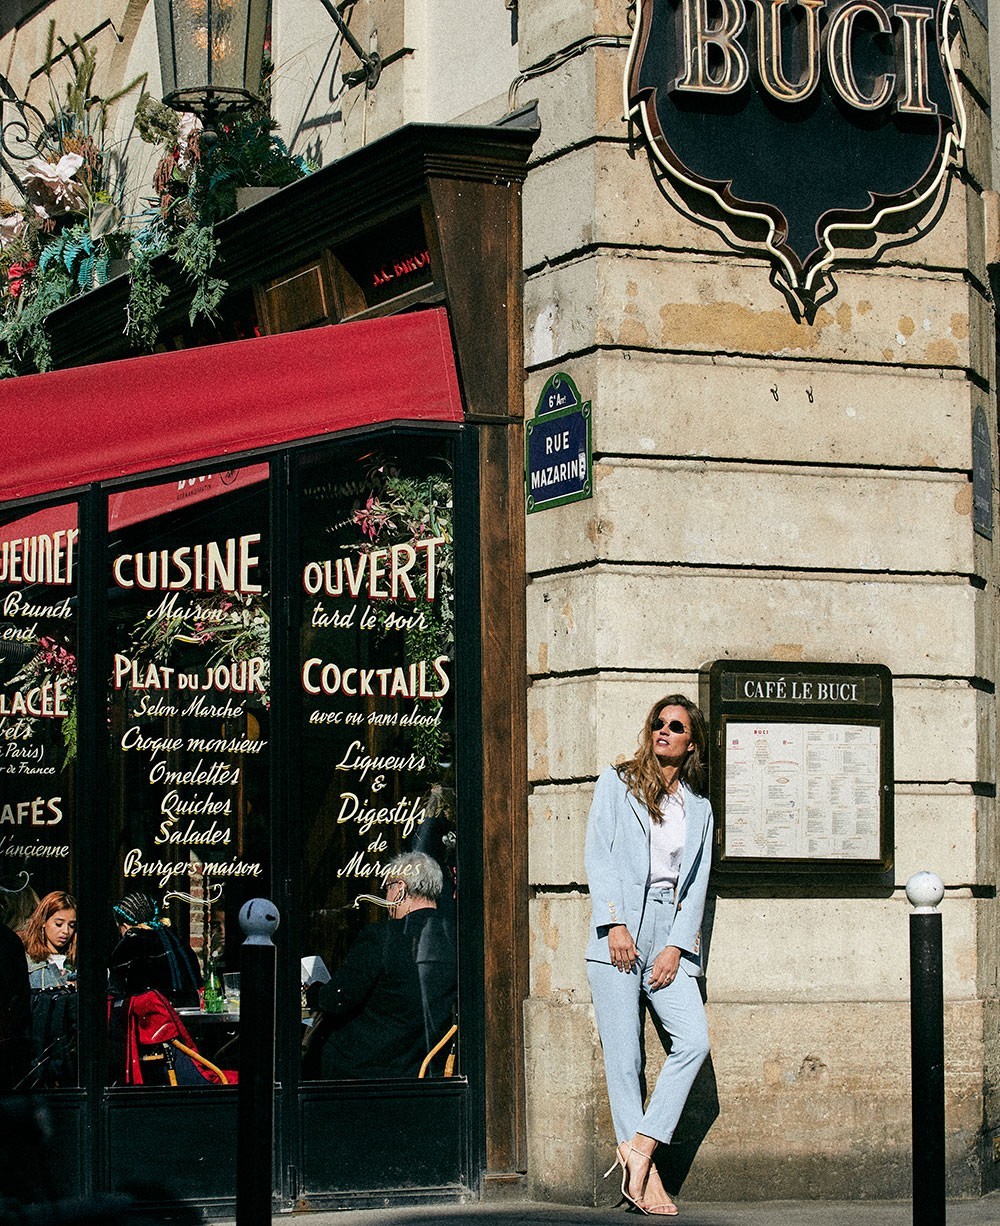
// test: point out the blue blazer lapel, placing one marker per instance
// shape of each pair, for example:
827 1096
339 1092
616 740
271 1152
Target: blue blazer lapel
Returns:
694 833
641 812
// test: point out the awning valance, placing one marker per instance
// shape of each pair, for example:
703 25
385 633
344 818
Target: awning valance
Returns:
93 423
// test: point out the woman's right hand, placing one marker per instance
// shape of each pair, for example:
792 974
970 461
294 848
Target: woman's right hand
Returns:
622 948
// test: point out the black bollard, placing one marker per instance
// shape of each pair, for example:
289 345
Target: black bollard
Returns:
925 891
255 1128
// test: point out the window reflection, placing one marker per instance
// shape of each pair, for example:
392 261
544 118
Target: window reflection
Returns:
39 557
378 786
190 711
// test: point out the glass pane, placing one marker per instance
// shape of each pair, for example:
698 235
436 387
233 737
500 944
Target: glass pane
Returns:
189 711
378 727
39 558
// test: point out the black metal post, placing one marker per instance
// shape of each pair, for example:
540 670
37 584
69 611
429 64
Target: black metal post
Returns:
927 1068
255 1129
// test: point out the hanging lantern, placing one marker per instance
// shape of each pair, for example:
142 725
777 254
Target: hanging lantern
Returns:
211 54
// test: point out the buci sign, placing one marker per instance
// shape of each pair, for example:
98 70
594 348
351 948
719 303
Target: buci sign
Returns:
799 126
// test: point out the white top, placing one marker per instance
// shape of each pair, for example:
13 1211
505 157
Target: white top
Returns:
666 843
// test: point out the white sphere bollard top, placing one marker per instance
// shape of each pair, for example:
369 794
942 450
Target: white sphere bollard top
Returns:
258 918
924 890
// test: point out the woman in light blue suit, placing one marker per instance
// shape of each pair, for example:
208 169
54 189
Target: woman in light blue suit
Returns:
648 855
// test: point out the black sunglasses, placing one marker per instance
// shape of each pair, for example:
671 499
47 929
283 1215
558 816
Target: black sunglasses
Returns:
675 725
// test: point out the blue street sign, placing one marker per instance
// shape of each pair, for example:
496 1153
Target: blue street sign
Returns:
558 462
559 393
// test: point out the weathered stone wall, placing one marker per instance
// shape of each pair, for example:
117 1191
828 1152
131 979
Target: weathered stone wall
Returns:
765 489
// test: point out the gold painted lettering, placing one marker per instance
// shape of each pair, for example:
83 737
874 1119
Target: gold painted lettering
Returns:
770 59
713 61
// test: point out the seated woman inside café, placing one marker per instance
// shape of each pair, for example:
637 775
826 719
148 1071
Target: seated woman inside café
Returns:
150 956
49 939
393 997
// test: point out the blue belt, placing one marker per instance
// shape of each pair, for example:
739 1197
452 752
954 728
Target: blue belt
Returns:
660 893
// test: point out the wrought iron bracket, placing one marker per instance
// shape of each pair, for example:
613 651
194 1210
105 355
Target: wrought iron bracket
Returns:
17 118
371 62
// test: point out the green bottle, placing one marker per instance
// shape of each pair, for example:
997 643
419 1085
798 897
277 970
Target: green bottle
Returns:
215 994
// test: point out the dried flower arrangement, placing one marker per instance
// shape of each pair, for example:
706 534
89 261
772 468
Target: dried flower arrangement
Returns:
74 223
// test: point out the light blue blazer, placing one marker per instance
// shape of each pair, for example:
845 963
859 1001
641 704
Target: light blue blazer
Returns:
617 864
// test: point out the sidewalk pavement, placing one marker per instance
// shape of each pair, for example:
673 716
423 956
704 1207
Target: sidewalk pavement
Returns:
983 1212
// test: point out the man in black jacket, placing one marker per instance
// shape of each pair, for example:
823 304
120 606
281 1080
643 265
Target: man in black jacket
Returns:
394 995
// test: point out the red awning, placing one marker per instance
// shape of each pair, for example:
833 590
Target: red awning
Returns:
42 523
135 505
93 423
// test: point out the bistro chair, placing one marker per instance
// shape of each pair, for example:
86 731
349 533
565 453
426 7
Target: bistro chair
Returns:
448 1068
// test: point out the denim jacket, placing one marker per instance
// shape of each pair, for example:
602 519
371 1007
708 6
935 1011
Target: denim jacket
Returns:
45 974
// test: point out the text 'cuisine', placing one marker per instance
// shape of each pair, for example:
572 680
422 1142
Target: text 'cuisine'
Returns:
216 566
232 566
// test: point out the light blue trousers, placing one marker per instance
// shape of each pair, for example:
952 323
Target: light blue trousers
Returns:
617 1007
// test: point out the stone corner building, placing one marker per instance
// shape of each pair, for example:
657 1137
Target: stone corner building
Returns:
775 490
766 487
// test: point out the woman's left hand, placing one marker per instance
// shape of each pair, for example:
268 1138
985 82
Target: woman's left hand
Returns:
665 967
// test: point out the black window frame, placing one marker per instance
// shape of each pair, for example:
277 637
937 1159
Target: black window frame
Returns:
82 1113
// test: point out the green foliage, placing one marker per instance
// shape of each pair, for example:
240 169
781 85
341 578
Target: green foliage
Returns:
248 154
146 298
155 122
23 334
69 732
403 510
46 258
80 118
85 260
61 240
197 190
53 663
195 253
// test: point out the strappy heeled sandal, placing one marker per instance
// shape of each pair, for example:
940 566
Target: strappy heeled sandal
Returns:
660 1208
622 1161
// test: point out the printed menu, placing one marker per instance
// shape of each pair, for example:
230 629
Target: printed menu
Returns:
802 790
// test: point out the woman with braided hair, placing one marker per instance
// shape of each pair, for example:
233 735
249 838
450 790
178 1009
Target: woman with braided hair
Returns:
150 956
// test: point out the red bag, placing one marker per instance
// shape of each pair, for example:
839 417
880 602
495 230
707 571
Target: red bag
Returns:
153 1022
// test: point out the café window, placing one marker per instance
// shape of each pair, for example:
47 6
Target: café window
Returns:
306 599
189 669
39 573
377 723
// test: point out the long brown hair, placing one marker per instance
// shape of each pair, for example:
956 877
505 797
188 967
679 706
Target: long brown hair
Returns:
642 774
33 932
